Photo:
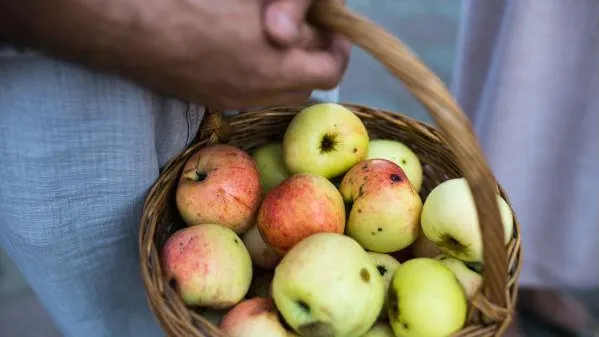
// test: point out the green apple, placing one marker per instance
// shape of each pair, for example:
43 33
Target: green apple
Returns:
380 329
386 265
385 207
327 285
256 317
208 265
426 300
400 154
272 168
471 281
262 255
326 139
450 221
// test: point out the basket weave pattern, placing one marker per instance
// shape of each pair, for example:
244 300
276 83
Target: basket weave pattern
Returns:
448 151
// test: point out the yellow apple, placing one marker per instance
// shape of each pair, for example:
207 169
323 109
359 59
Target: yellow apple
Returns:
426 300
450 221
327 285
386 265
470 280
326 139
400 154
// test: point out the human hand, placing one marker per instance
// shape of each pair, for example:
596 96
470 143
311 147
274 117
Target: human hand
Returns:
235 65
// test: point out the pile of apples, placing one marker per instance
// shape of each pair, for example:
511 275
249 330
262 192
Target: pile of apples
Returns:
308 236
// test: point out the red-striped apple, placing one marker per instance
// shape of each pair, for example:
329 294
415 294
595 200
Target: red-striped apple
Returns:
385 207
400 154
219 184
300 206
208 265
256 317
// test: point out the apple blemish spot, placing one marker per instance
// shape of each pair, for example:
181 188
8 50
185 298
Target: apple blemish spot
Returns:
201 176
365 275
382 270
395 177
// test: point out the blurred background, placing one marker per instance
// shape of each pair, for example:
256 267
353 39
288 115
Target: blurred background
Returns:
429 27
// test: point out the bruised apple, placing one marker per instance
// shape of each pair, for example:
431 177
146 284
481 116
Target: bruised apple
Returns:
385 208
208 265
400 154
450 221
327 285
471 280
256 317
262 255
219 184
386 265
302 205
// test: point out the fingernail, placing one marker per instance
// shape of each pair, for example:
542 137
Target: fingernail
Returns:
283 24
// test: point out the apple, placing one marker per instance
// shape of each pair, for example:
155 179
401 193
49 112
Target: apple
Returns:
262 255
380 329
400 154
386 265
450 221
426 299
272 168
219 184
423 247
300 206
470 280
208 265
326 139
261 283
327 285
256 317
385 208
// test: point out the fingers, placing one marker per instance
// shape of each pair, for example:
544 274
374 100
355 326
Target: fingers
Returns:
316 69
284 21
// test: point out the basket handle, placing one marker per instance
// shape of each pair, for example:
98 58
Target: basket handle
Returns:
452 122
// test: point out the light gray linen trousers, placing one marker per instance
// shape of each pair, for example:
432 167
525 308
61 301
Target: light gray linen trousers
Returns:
527 74
78 153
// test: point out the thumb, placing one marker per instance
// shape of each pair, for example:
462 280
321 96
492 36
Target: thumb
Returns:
283 20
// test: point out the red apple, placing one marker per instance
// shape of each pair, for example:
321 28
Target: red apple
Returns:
301 205
385 208
256 317
220 184
208 265
262 255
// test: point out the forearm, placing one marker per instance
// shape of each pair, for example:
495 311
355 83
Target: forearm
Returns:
117 36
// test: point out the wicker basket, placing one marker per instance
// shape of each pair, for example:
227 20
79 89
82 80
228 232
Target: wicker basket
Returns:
450 151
